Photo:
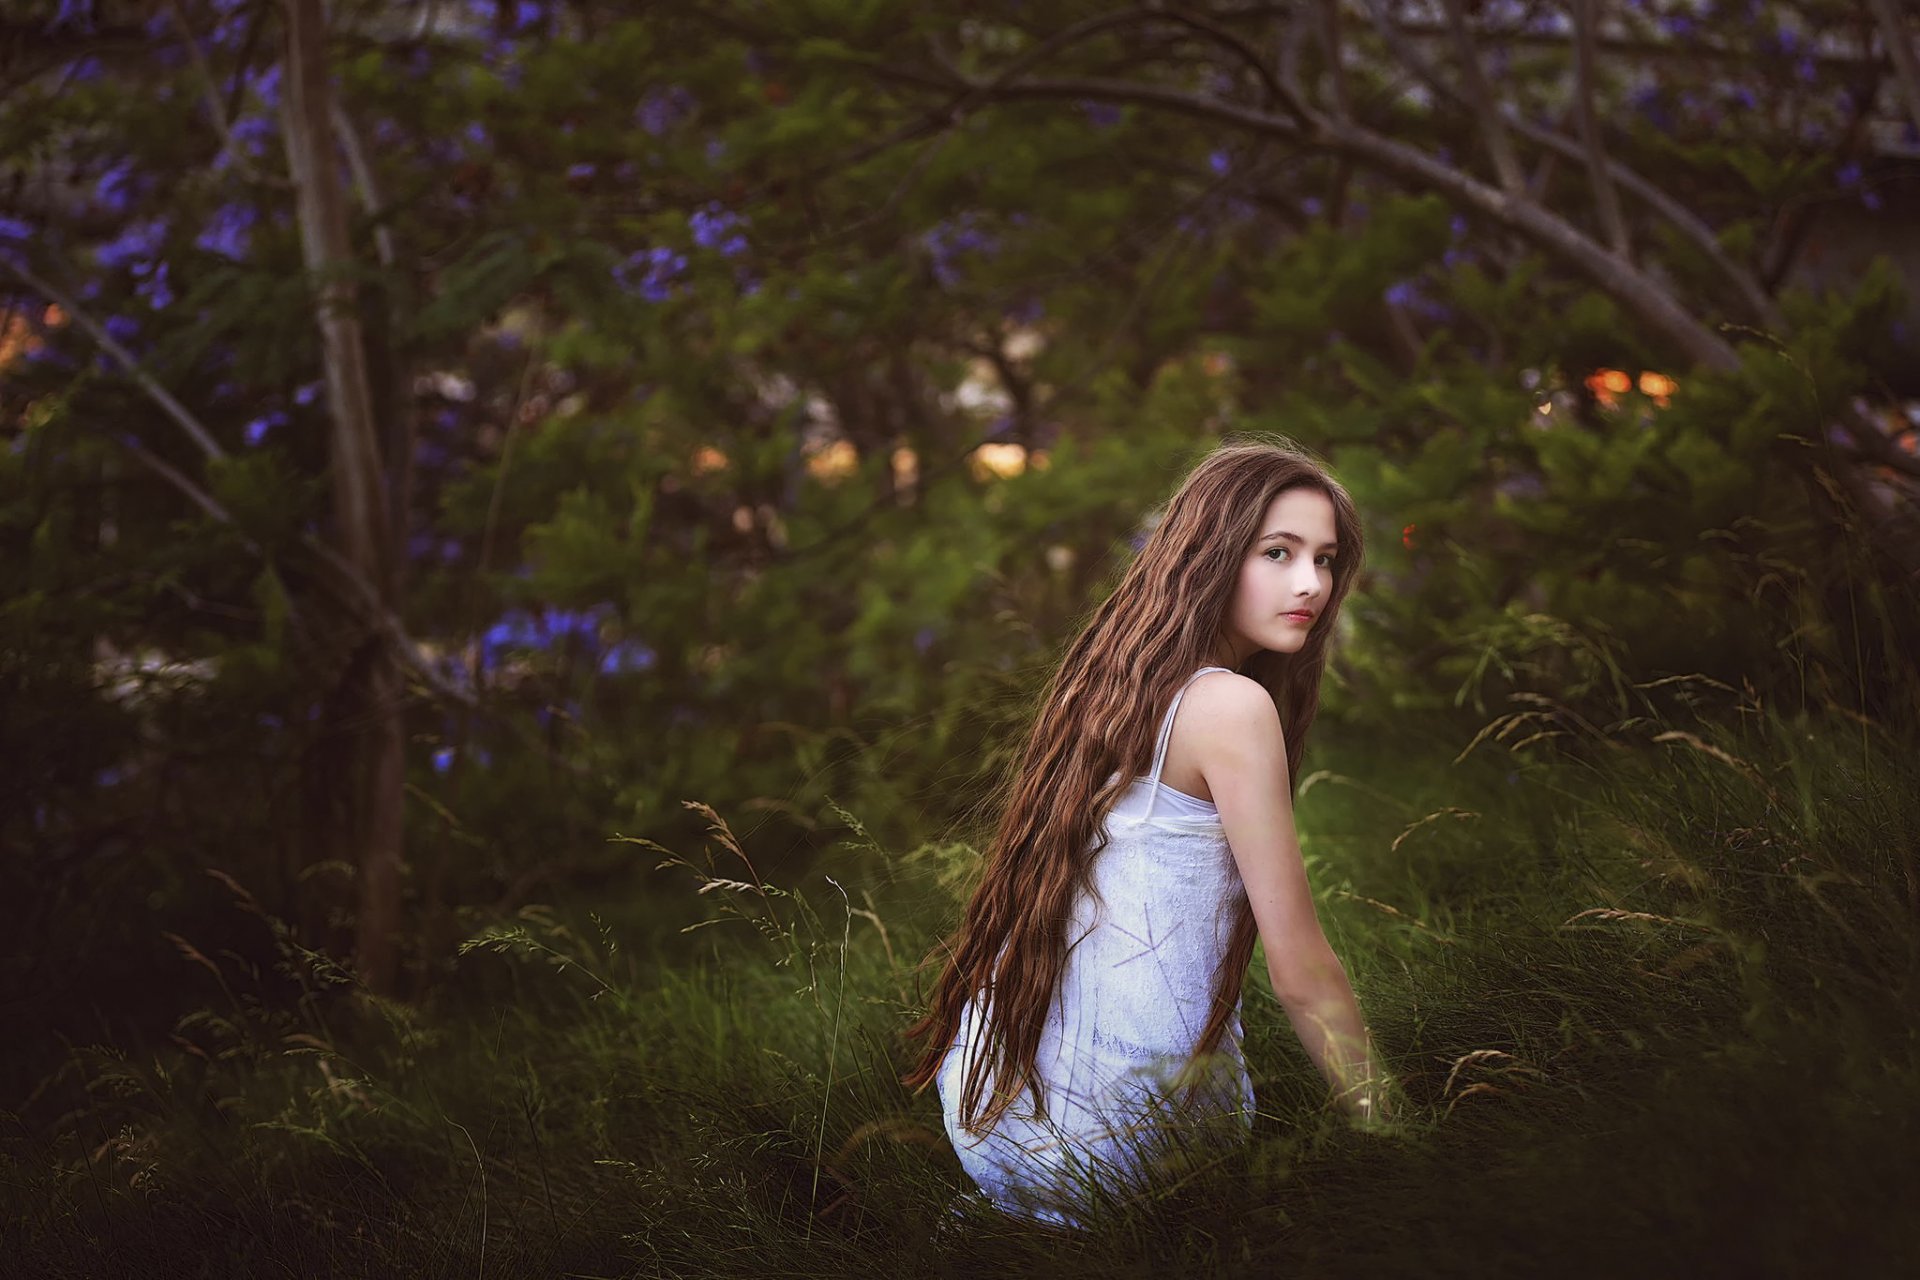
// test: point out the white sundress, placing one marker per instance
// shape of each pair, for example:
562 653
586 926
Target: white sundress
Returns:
1144 953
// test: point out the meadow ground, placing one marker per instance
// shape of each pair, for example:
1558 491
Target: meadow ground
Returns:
1649 991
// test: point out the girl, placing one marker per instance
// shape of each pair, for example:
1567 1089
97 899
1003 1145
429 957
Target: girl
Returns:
1093 986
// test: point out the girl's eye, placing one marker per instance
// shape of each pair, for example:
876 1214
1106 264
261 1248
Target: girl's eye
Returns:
1326 557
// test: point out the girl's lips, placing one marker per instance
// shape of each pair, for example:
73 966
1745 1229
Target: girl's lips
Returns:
1298 617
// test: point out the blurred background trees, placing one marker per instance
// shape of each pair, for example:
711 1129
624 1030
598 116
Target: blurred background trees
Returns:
441 436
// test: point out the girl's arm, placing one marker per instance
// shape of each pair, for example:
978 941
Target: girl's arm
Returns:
1242 753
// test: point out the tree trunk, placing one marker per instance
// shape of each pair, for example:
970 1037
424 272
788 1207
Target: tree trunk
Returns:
369 699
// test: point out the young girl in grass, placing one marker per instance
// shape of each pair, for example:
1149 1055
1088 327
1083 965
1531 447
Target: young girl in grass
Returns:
1085 1027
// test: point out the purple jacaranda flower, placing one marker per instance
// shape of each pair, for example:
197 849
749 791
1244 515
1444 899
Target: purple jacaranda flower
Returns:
1313 206
923 638
122 328
946 242
306 393
582 170
1744 98
1806 69
443 759
15 228
651 273
627 656
156 289
265 83
253 134
256 430
1220 162
115 188
228 232
73 15
1871 200
1102 115
527 14
1402 293
714 227
138 241
1848 174
662 108
716 152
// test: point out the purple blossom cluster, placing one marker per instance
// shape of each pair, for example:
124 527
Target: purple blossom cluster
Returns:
228 232
522 630
662 108
652 273
949 241
716 228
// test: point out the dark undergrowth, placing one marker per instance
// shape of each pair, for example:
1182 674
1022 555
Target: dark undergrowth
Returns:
1649 988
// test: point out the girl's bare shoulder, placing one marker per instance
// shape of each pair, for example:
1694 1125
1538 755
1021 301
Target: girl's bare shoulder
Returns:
1228 692
1228 702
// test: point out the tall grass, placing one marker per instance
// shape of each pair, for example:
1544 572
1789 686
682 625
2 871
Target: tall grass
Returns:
1649 987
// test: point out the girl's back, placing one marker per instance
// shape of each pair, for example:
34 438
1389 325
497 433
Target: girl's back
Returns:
1145 947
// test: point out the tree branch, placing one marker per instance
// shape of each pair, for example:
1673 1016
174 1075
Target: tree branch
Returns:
210 89
345 583
1606 199
1906 63
365 185
1611 274
1479 95
1760 305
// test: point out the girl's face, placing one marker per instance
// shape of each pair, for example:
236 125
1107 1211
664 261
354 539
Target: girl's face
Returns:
1288 572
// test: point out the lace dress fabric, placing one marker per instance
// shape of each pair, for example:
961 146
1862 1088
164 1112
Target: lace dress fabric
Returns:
1145 949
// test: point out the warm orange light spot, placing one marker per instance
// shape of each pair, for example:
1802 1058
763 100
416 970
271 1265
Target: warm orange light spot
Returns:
906 467
1608 385
833 462
53 317
998 460
1217 363
707 459
16 339
1406 536
1657 385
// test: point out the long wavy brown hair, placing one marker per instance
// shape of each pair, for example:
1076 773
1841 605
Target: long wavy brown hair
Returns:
1099 714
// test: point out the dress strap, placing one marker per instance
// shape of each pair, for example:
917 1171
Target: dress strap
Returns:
1166 736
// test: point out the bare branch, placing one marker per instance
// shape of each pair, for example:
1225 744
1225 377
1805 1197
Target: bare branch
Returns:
1479 95
364 184
1906 62
201 437
178 479
1761 306
341 578
210 90
1278 88
1606 199
1328 14
1612 275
